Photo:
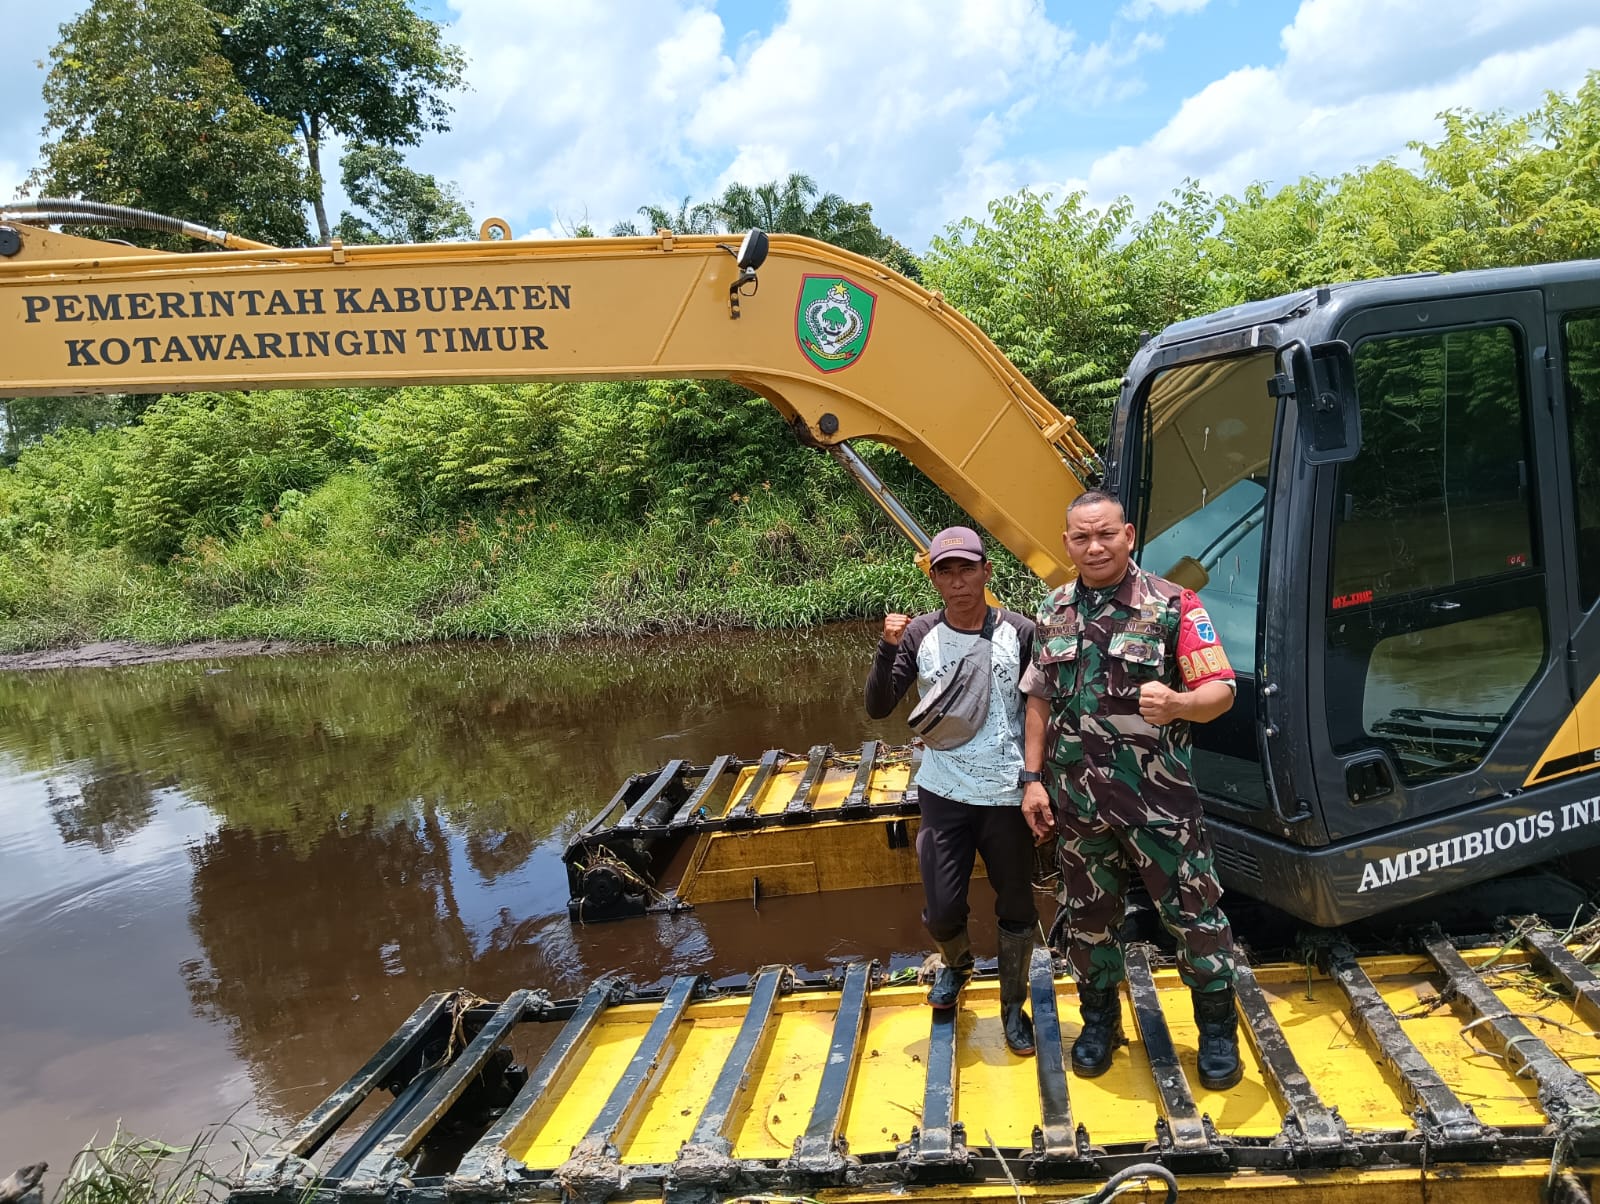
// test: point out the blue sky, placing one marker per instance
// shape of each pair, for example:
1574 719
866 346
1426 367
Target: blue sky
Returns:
582 110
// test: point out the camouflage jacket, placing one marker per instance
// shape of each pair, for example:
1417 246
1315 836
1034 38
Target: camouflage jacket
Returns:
1103 759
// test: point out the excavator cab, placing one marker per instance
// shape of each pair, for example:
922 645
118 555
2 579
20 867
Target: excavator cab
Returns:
1387 495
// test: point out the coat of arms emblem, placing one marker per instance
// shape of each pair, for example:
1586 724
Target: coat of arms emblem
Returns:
832 321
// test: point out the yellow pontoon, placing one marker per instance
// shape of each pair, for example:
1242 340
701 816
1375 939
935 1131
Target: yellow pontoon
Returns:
1441 1076
734 829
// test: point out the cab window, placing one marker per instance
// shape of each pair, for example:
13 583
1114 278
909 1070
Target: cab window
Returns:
1580 353
1436 614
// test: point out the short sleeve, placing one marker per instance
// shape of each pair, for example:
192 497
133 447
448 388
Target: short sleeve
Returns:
1201 657
1034 682
1025 629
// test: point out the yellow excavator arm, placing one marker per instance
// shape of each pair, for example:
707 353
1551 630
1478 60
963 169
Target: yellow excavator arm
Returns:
842 346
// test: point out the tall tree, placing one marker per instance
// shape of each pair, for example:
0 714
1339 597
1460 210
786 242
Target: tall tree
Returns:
396 203
791 206
796 205
690 219
371 71
1167 271
143 109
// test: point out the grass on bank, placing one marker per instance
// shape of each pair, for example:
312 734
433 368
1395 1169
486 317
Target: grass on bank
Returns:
344 565
139 1170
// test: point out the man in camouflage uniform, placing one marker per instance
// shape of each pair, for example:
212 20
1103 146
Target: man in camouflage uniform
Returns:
1123 663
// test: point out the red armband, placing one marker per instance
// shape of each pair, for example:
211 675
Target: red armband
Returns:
1200 654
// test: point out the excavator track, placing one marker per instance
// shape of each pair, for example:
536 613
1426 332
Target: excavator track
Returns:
1441 1075
780 824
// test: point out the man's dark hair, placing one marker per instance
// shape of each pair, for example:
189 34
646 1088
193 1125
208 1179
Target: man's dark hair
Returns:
1094 497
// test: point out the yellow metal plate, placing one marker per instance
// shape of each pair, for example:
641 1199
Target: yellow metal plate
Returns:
829 855
997 1097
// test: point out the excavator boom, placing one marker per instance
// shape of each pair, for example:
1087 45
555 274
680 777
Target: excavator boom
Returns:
843 347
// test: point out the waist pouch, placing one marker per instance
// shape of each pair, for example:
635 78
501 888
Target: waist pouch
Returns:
955 710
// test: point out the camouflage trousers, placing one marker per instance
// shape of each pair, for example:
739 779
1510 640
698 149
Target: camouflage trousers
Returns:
1173 858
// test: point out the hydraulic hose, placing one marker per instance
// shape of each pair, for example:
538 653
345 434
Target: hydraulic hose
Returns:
1139 1170
68 211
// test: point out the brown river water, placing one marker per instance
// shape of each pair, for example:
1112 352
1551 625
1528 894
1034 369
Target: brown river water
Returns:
223 883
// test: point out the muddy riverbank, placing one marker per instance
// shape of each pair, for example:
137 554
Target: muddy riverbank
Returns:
111 654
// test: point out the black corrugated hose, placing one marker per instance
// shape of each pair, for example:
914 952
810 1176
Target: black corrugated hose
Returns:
1140 1170
69 211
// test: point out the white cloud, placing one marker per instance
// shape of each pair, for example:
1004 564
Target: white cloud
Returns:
576 110
913 110
903 104
982 175
1359 79
1140 10
1340 49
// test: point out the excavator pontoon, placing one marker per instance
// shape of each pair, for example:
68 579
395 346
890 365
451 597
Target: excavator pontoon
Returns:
1386 493
1448 1075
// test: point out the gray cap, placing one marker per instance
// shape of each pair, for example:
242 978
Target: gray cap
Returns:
955 543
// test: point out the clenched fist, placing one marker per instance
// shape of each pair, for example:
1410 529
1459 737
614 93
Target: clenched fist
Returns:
894 626
1158 704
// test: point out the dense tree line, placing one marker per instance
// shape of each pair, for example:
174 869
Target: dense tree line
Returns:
1066 289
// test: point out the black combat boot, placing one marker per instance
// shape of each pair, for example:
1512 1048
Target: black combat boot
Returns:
1218 1021
1102 1031
953 975
1016 955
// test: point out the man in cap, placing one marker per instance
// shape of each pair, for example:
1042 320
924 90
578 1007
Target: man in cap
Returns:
1124 663
971 795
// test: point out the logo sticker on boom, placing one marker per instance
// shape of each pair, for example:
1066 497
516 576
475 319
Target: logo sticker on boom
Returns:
832 320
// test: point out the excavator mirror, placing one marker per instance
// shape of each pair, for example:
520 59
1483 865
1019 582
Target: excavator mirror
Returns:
752 251
1321 380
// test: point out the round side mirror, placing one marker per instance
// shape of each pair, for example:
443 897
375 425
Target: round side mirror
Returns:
753 250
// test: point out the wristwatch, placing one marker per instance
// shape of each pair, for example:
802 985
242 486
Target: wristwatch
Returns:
1029 775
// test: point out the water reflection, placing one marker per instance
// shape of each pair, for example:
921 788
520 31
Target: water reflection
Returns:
104 810
306 846
501 740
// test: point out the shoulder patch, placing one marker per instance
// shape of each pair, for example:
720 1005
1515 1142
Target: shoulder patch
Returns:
1203 629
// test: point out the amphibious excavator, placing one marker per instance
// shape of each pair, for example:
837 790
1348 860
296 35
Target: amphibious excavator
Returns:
1385 491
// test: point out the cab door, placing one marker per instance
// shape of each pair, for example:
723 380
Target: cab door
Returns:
1209 434
1434 654
1574 330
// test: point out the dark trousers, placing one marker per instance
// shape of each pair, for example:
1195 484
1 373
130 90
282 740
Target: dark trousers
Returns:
951 835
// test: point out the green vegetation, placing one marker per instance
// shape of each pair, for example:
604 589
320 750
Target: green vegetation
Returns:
216 111
371 515
418 514
142 108
1065 289
794 205
140 1170
371 71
